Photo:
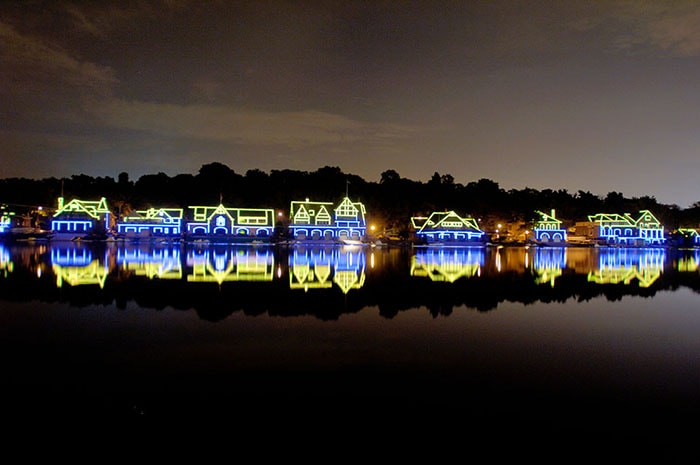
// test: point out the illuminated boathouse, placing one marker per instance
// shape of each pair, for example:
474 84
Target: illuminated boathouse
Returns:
446 227
617 229
153 222
549 229
316 221
223 223
80 218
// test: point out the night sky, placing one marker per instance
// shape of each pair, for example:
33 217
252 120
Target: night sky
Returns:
597 96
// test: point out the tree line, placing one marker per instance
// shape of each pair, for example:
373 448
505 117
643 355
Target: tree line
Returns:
390 202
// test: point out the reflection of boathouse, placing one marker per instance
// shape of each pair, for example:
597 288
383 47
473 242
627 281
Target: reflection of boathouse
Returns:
322 221
446 227
623 265
6 265
225 263
219 222
548 264
447 264
689 262
150 260
320 267
76 265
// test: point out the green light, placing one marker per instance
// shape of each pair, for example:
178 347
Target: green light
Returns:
231 222
446 226
624 229
80 216
313 220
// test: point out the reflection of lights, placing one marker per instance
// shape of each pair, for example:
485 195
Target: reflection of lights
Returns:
689 263
447 264
75 265
622 265
319 268
230 264
220 260
161 262
371 260
6 265
71 256
548 264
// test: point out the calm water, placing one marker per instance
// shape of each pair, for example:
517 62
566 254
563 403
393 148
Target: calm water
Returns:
593 344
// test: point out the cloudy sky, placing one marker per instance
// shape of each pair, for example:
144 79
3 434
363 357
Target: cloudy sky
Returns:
596 95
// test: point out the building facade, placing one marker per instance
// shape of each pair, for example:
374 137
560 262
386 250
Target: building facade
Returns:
448 226
312 220
220 222
80 218
549 229
624 229
153 222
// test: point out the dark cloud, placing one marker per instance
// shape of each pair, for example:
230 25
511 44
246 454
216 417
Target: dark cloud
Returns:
577 95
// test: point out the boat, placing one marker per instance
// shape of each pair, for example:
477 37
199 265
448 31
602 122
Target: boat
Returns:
353 242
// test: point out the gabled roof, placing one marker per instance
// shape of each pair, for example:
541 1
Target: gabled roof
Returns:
323 214
301 215
307 205
316 212
446 220
173 213
613 219
219 210
689 232
206 213
347 208
157 213
93 208
547 219
646 220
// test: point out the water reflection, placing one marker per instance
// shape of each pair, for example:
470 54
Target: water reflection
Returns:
221 263
623 266
548 264
321 267
79 264
689 263
135 338
447 264
335 280
5 262
150 260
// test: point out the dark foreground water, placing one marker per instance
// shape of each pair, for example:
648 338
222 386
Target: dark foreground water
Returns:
514 352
